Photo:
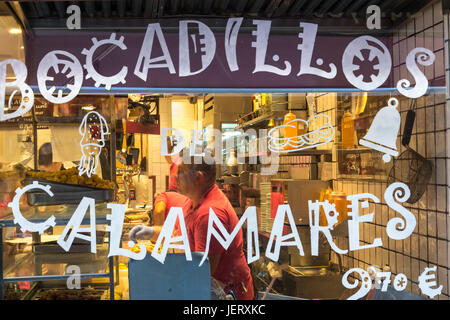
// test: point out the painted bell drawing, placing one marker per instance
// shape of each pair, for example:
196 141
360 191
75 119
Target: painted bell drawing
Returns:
382 134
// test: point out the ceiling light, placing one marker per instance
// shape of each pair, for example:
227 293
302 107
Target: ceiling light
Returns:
134 97
88 107
15 31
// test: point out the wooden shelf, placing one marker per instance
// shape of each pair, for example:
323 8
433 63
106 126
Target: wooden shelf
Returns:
377 177
307 152
259 154
264 117
355 150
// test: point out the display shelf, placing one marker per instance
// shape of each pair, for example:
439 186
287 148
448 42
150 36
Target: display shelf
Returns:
62 214
49 121
20 122
259 154
355 150
77 258
257 120
378 178
307 152
261 120
61 292
19 260
91 265
96 265
45 121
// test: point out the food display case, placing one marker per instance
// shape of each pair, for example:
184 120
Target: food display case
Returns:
33 265
33 261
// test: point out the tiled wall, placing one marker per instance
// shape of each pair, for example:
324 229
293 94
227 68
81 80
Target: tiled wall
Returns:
157 165
170 110
185 123
429 244
227 108
326 104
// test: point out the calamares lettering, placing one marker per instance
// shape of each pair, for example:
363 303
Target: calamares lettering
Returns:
398 228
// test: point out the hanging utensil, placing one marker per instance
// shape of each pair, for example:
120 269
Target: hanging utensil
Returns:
410 167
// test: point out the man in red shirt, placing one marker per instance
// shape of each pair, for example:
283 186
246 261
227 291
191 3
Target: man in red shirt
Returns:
166 200
229 267
197 181
173 160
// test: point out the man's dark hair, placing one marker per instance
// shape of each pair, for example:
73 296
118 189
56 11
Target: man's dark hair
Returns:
198 163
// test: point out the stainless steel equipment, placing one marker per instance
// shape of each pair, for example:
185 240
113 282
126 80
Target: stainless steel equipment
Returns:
314 283
308 260
297 193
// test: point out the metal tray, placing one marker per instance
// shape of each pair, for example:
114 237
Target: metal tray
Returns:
55 248
42 198
68 294
78 245
59 186
64 193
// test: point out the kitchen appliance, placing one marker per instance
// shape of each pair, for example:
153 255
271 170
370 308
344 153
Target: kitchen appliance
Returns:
308 260
297 192
313 283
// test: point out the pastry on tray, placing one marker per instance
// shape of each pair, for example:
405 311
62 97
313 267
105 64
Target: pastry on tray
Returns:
70 176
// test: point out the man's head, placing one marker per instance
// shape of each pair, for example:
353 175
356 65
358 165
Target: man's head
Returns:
195 176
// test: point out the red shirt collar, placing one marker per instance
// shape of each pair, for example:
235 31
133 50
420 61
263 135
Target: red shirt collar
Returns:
205 195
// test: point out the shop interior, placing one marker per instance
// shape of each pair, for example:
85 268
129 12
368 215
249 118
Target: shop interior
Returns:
132 171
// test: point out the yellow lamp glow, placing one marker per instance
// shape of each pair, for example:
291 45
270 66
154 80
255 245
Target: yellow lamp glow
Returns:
15 31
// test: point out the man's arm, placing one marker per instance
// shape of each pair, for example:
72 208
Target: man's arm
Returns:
159 213
157 230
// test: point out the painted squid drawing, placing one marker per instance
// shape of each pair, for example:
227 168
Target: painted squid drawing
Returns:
93 129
